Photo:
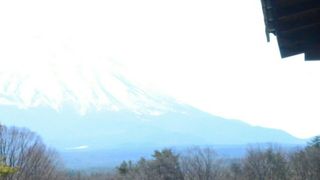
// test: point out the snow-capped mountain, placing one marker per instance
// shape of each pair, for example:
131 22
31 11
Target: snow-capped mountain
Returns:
84 88
94 111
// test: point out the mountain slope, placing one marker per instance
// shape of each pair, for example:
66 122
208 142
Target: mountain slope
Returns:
95 111
108 129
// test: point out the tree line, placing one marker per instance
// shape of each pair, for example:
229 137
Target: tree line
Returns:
23 156
259 163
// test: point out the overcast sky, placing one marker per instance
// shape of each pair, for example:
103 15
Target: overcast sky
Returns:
210 54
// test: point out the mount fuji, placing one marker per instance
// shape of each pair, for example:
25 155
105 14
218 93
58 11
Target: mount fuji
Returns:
110 111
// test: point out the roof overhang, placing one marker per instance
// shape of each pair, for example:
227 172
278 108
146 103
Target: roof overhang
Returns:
296 23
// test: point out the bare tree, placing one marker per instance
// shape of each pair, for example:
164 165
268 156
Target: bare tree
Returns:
265 164
305 163
201 164
24 150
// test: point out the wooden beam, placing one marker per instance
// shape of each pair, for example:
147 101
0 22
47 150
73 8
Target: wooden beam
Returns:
286 3
300 19
307 32
290 8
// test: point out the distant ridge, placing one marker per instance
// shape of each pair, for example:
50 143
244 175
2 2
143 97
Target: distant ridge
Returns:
111 129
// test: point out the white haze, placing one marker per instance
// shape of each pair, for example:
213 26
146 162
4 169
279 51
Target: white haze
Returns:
210 54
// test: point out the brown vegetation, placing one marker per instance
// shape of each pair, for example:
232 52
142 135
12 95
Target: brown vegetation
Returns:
259 163
25 157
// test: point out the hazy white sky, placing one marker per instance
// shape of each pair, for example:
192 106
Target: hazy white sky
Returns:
210 54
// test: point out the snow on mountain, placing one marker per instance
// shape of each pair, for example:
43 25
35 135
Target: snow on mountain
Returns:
109 111
81 86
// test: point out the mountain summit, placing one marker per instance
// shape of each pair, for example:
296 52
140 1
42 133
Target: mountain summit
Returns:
84 87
